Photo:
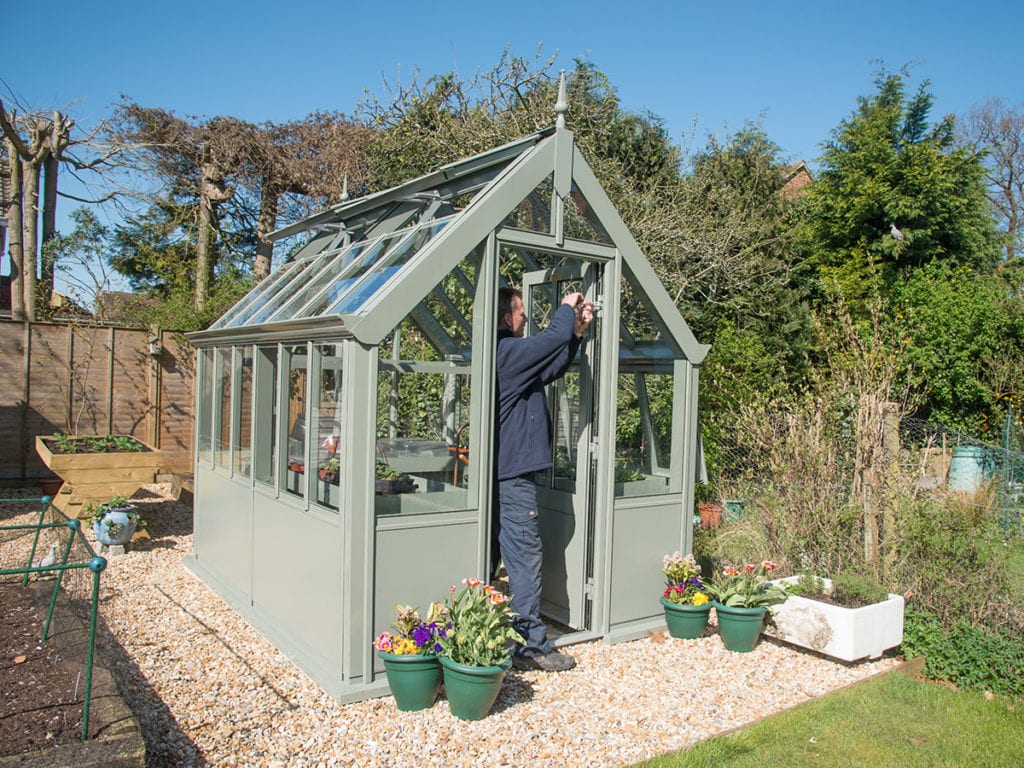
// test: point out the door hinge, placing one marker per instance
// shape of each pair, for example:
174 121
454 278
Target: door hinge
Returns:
592 447
588 588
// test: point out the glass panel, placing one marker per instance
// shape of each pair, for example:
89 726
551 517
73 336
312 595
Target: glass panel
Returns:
425 440
422 440
255 298
348 273
328 432
222 395
563 394
390 264
638 324
565 409
295 461
580 221
243 413
261 310
515 261
318 279
534 212
204 418
326 287
265 428
643 434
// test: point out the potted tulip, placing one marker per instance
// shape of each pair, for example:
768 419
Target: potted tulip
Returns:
475 648
742 597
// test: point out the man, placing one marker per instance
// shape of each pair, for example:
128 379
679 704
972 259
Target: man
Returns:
524 366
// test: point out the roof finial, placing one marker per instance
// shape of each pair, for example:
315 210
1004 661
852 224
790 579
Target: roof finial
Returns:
562 105
344 190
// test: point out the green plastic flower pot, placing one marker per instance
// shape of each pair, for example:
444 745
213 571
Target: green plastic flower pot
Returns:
739 627
414 679
471 691
686 622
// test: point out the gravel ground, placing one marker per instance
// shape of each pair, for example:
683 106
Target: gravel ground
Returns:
210 691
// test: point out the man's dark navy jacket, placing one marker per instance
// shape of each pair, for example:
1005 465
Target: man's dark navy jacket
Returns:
524 366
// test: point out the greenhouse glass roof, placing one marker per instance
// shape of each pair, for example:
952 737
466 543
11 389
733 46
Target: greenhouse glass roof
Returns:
356 249
368 263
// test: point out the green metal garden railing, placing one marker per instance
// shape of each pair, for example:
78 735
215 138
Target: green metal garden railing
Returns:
95 564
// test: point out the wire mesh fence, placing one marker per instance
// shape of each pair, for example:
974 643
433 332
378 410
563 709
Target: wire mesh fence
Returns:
820 465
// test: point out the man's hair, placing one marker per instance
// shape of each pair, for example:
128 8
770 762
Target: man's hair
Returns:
505 296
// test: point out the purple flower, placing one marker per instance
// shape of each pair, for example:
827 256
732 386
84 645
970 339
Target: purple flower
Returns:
421 635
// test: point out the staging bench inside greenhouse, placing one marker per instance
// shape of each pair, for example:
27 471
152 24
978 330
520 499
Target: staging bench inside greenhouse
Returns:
345 413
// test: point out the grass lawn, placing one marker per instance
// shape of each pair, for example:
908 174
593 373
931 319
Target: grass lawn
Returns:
893 720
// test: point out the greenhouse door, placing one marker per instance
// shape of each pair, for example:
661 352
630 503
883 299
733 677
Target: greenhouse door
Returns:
565 493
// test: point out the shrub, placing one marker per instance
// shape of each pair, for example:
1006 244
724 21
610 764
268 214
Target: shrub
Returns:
951 555
965 655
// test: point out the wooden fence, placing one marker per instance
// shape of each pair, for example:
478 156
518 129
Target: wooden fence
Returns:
85 379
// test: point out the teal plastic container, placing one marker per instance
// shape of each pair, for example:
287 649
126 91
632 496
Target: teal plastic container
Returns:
967 468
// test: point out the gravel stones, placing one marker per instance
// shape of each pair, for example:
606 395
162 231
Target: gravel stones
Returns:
210 690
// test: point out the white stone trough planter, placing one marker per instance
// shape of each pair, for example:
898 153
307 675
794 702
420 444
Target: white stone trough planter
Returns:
842 633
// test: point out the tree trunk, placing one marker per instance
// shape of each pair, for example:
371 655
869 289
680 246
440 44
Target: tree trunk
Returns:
49 223
203 238
265 225
30 246
16 246
212 190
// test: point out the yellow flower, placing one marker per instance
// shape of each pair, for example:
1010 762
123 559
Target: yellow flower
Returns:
700 599
404 646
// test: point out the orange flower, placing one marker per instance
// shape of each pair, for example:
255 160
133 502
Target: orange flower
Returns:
472 583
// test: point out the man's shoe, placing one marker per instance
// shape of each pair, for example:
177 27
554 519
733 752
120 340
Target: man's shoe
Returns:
549 662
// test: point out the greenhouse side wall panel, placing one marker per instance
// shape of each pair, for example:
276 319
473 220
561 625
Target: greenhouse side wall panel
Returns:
298 580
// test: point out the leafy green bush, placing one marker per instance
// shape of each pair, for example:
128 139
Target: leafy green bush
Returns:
966 655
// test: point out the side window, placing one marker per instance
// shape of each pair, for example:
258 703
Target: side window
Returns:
424 459
242 412
296 415
265 427
643 434
204 406
329 431
222 400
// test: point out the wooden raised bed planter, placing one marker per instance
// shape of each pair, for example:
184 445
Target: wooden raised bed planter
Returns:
96 477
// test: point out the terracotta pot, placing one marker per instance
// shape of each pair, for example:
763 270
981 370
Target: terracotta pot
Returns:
710 515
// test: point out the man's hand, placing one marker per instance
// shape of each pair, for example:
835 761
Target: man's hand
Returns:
573 299
584 311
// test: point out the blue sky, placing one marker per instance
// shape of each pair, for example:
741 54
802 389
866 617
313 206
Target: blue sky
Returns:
796 66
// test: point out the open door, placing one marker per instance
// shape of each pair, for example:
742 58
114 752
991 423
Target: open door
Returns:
565 493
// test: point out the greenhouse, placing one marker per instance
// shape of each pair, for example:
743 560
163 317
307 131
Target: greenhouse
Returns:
345 413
